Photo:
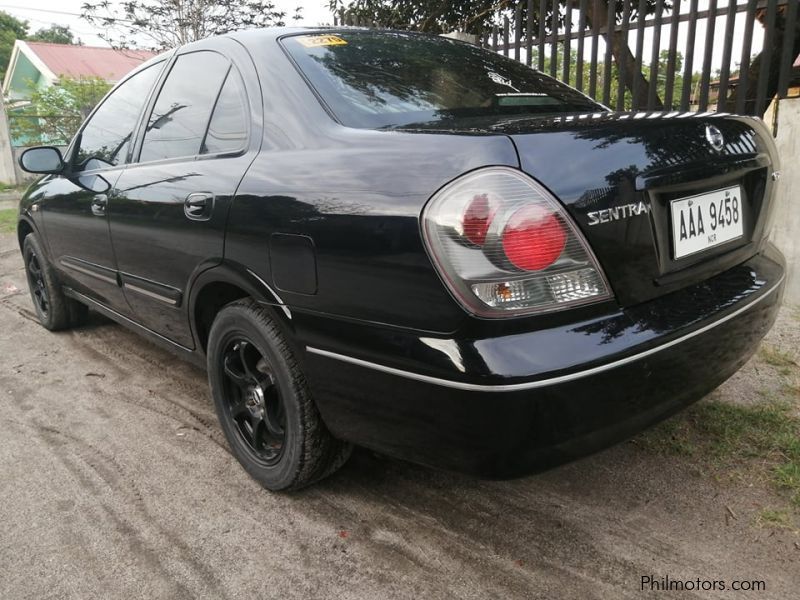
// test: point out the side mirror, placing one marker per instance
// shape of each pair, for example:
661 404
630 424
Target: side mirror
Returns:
43 160
94 183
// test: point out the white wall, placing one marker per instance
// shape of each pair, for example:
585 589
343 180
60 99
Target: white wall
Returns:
786 233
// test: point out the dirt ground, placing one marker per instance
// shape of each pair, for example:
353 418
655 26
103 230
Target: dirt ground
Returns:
115 482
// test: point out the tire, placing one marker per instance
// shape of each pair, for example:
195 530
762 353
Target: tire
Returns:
263 402
54 310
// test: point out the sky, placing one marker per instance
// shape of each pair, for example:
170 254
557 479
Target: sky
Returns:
42 13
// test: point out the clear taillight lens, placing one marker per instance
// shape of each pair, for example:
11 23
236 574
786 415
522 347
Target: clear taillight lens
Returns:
504 246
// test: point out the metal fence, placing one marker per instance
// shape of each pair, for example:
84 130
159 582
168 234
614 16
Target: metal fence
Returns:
587 43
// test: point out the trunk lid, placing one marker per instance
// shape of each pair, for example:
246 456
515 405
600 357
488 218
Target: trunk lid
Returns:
618 174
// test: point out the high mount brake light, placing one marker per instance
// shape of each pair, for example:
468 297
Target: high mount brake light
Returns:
505 247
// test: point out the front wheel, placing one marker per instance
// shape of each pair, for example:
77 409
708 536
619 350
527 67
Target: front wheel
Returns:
263 402
54 310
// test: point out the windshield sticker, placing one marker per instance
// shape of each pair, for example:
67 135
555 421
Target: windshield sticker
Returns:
315 41
500 80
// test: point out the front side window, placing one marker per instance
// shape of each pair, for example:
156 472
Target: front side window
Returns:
178 123
389 79
107 136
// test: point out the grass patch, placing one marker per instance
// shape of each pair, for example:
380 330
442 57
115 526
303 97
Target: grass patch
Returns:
787 476
763 438
8 220
775 518
10 187
777 358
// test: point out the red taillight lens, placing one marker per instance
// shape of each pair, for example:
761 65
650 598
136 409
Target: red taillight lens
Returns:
478 219
534 238
504 246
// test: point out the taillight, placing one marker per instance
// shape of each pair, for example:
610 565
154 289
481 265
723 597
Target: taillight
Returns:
504 246
478 217
534 238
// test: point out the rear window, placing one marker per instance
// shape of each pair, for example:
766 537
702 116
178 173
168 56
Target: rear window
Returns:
391 79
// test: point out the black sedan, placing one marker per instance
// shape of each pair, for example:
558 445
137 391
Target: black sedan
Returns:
408 243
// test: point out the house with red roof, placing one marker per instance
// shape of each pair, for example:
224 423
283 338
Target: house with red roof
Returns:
36 65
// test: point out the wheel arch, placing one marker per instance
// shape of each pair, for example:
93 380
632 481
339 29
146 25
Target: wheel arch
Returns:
226 283
24 228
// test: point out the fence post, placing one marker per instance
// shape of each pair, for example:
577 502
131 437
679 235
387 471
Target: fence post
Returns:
542 18
673 53
727 50
7 172
581 38
689 58
567 42
655 57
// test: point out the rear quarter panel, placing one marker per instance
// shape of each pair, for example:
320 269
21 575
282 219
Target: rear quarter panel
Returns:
357 194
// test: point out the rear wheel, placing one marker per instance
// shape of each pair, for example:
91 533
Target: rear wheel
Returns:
54 310
264 404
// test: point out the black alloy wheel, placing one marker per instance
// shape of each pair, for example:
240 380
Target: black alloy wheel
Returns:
54 310
253 400
33 268
263 400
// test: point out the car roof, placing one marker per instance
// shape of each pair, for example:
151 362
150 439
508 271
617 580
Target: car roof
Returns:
273 33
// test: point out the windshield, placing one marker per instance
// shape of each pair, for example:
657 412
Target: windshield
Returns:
373 79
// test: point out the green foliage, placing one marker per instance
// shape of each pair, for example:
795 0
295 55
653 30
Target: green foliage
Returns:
55 34
11 29
55 112
163 24
472 16
8 220
727 435
424 15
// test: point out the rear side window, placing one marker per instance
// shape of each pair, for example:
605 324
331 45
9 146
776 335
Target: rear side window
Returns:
178 123
227 131
106 138
389 79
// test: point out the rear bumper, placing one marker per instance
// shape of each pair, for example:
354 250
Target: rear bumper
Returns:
511 405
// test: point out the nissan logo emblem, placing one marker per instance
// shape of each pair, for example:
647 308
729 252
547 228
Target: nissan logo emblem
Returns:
715 138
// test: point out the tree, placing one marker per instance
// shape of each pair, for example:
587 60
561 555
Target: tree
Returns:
56 34
471 16
782 28
11 30
430 16
163 24
55 112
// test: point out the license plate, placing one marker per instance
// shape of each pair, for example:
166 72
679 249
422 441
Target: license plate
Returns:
706 220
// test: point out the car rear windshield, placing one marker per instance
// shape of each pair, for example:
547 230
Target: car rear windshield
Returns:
391 79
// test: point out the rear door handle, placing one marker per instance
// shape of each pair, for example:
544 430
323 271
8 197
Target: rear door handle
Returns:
199 206
99 205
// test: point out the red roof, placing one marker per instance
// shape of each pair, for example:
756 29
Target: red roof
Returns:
88 61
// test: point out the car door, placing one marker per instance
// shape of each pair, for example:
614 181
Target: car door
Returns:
75 212
169 207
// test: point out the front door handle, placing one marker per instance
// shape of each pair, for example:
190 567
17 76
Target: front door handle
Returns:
199 206
99 205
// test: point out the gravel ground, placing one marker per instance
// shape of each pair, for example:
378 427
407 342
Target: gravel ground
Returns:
115 482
